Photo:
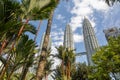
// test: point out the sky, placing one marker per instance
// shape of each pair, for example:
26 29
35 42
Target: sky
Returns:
72 12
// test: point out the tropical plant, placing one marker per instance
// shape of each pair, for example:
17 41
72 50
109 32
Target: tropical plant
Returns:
107 60
23 10
22 56
42 60
28 56
80 71
68 69
58 74
111 2
8 12
61 55
69 60
67 57
48 67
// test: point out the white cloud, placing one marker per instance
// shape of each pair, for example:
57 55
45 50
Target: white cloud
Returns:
57 43
78 38
57 37
112 17
59 17
56 61
54 34
81 10
54 50
92 23
75 22
97 4
57 33
85 8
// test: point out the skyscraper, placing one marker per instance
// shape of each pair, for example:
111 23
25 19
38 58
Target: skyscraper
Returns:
112 32
68 38
90 40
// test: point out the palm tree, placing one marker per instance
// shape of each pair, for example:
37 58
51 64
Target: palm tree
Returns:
13 31
111 2
27 52
67 66
69 60
42 60
80 72
48 65
23 10
67 57
9 9
58 75
48 69
32 9
22 55
61 56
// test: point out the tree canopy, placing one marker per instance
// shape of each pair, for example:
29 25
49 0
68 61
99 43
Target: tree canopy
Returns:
107 60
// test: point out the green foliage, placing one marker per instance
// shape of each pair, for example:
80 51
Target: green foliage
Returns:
12 14
58 74
65 54
107 60
48 65
33 9
23 53
8 9
68 69
80 71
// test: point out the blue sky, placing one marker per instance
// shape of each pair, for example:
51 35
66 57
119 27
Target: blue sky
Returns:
72 12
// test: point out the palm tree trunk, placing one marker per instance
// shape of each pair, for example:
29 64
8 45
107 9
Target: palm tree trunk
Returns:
37 30
19 33
42 60
5 67
22 28
3 45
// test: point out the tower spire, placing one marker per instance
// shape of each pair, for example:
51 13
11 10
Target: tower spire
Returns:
90 40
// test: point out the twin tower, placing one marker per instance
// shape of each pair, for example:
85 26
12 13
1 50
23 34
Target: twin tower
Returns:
90 40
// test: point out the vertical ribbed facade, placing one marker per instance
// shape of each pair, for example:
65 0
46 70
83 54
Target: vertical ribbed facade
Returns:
90 40
68 38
